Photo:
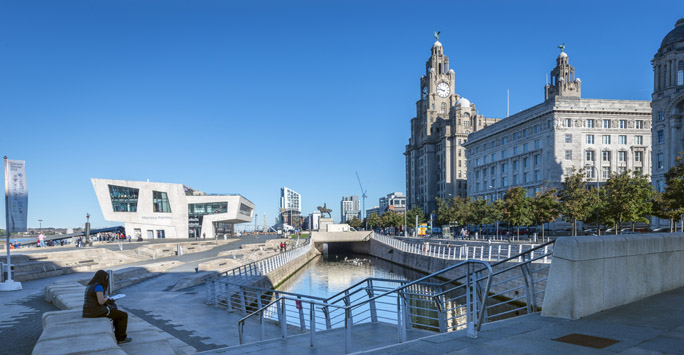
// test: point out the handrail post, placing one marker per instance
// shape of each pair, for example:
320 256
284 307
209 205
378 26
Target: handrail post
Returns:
262 329
312 324
471 332
441 315
300 307
347 302
243 303
347 330
326 313
373 310
282 318
401 317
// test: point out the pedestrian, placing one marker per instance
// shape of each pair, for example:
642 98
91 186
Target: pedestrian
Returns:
281 247
129 238
204 235
96 305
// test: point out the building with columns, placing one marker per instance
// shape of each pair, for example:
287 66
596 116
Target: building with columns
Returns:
539 146
668 104
435 157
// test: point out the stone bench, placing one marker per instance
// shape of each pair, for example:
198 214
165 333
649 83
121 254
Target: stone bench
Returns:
66 332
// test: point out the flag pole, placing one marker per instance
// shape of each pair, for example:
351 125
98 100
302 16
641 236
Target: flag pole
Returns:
9 270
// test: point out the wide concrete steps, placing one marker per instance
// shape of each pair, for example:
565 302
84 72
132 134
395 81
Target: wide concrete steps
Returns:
365 337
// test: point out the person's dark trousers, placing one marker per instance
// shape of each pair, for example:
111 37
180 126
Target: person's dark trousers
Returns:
120 319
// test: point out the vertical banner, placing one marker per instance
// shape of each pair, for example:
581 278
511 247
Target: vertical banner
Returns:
16 195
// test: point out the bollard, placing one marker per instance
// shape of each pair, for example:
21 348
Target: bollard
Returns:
110 287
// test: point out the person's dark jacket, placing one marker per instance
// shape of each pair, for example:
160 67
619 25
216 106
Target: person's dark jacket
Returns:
91 308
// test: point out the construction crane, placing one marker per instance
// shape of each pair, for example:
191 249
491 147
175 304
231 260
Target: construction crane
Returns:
363 196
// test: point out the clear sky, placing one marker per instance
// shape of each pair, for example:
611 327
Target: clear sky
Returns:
249 96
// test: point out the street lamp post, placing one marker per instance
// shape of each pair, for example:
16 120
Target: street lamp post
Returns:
40 222
598 197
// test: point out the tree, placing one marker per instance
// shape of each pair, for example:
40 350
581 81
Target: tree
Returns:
479 212
411 216
627 198
355 222
374 220
576 200
443 211
517 207
545 208
392 219
670 204
496 213
599 207
663 207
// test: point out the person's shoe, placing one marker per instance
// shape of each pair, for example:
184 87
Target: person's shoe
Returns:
127 340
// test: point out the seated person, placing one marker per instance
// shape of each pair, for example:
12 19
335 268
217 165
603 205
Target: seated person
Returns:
95 305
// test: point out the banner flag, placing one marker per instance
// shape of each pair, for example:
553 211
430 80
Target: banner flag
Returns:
16 195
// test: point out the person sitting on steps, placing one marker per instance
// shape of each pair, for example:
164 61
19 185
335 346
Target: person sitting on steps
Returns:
95 305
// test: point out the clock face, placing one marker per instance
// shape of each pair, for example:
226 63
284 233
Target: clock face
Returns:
425 92
443 89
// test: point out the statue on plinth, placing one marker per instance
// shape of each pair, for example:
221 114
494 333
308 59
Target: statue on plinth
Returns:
324 209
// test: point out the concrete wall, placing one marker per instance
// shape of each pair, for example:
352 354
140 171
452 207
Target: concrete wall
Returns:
592 274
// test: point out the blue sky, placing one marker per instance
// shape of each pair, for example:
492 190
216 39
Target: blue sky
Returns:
247 97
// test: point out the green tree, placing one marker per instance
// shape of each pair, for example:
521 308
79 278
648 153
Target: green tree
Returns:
444 211
411 216
479 211
670 204
627 198
664 207
392 219
374 220
355 222
576 200
544 208
496 213
517 207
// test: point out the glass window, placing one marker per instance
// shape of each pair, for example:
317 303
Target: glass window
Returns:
622 139
606 139
605 155
639 140
504 140
568 154
568 122
638 156
568 171
525 148
515 165
605 172
504 181
245 210
590 155
504 167
659 160
661 136
639 124
537 175
201 209
525 163
526 178
623 124
568 138
160 202
124 199
622 156
515 179
606 123
537 160
503 154
590 139
680 73
590 124
591 173
660 116
537 144
515 150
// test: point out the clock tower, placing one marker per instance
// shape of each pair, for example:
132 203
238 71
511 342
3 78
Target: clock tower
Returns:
435 157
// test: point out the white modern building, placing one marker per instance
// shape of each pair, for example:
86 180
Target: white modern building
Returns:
162 210
350 207
539 146
290 200
395 201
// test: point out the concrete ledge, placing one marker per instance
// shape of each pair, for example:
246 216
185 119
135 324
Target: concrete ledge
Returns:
592 274
66 332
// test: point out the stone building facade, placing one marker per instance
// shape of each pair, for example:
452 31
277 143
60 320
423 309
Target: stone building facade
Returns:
435 157
668 104
539 146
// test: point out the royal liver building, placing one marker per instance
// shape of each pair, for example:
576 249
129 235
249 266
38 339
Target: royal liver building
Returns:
435 157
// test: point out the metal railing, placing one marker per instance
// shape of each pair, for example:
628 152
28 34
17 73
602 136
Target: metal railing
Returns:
488 252
464 295
221 289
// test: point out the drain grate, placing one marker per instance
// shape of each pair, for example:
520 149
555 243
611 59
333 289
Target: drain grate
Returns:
587 340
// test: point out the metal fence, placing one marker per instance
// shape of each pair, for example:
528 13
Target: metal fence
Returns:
462 296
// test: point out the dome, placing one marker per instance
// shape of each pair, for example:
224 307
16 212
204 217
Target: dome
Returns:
676 35
437 44
463 103
563 55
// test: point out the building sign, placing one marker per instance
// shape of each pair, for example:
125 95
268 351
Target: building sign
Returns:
423 229
16 195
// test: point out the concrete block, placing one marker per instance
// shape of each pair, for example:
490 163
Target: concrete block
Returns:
79 344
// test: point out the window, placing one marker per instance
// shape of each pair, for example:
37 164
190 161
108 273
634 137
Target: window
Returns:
605 155
537 144
590 124
477 174
537 160
568 138
124 199
606 139
504 168
590 139
589 155
515 165
622 139
568 122
484 173
525 147
504 181
639 124
526 178
680 73
493 157
504 140
606 123
515 179
160 202
660 116
443 108
638 156
661 137
245 210
622 124
515 150
659 161
639 140
622 156
526 132
621 169
568 171
537 175
568 154
201 209
591 173
484 160
605 172
493 169
525 160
